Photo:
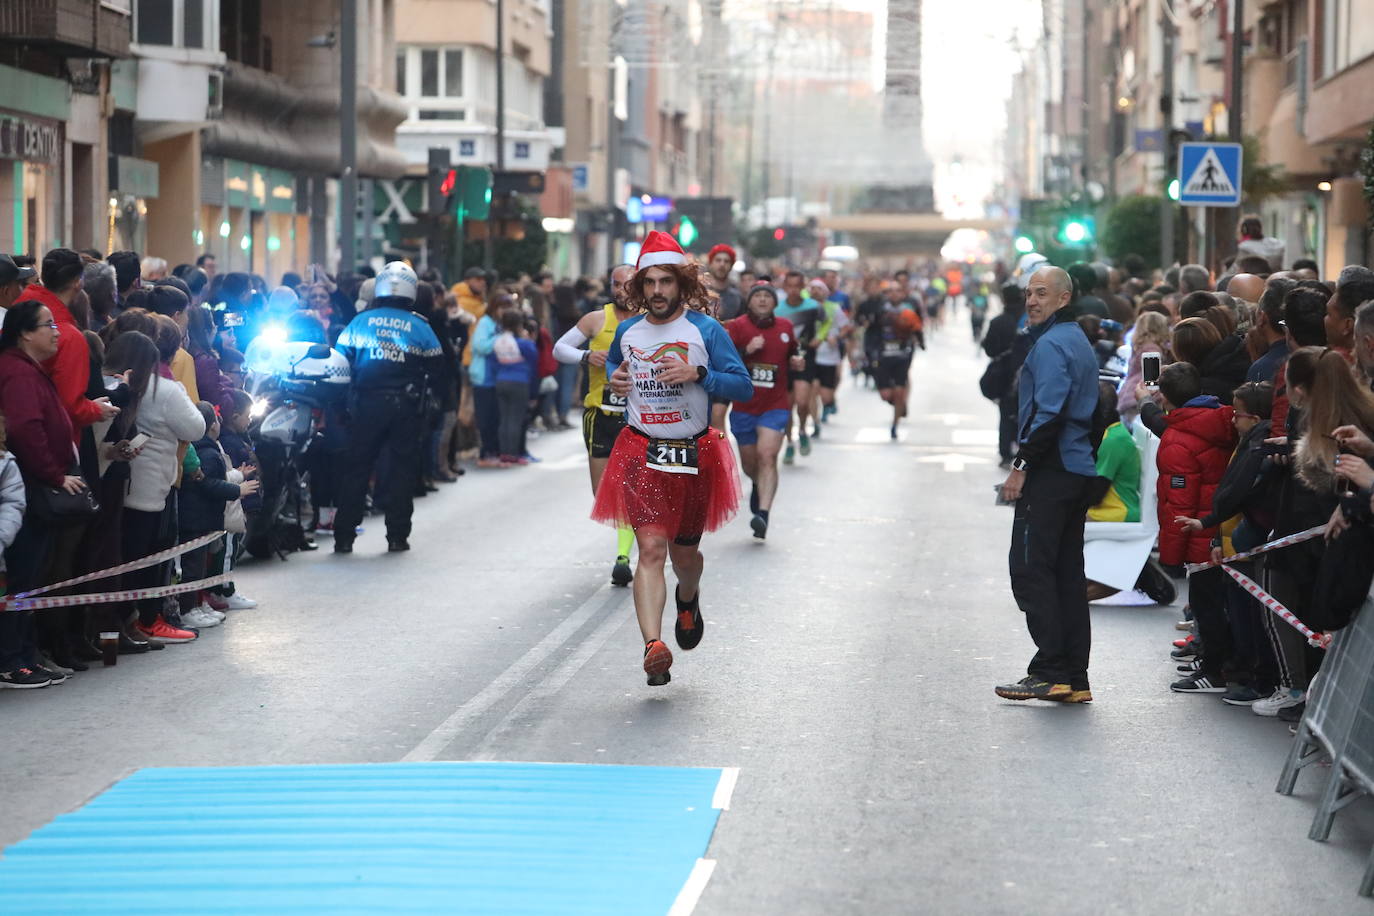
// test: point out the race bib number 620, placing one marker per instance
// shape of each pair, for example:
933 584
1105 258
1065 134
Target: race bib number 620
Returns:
672 456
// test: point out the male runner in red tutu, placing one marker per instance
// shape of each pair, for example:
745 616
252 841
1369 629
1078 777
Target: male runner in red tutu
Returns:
670 476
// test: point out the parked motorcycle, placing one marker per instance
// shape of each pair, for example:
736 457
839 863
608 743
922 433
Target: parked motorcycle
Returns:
292 383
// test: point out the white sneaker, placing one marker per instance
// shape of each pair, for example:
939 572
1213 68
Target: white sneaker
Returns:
1282 698
201 618
239 602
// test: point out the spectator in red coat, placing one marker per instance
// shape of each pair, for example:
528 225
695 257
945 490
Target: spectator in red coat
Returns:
1193 455
40 437
70 367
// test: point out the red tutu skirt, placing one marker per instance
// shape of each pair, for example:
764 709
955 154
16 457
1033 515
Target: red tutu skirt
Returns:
674 505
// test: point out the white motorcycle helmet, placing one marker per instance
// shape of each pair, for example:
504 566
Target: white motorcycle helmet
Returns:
396 279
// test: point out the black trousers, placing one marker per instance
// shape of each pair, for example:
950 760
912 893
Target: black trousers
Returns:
1207 598
1006 427
1047 579
388 421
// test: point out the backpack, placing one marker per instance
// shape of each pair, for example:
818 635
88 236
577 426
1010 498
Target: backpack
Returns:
506 349
997 377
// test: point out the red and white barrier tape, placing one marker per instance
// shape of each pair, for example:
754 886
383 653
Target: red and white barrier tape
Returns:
1320 640
131 566
1286 541
138 594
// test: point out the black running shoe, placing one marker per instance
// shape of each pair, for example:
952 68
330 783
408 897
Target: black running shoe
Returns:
689 627
760 526
620 572
397 545
343 546
1032 688
657 660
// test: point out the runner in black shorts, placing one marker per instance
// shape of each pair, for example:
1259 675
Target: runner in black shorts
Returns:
805 315
901 333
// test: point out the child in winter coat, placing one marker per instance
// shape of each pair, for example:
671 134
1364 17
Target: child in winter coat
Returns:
238 446
201 506
1193 455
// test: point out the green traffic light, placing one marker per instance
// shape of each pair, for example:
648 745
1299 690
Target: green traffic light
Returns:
686 232
1075 232
1024 244
1173 189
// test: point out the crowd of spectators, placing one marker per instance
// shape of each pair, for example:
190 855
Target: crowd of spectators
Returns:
1265 415
126 426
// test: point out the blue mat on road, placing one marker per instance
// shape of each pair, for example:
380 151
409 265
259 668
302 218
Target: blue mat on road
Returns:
376 838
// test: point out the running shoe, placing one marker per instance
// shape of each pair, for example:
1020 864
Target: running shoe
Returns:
788 455
397 545
894 432
1185 641
1282 698
200 617
1198 683
1032 688
620 572
213 601
25 678
760 526
657 660
165 632
1240 695
239 602
1075 696
1190 667
689 627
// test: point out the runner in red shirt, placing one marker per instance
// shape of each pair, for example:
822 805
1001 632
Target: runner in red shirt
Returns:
770 350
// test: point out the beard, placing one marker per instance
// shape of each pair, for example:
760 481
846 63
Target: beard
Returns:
661 308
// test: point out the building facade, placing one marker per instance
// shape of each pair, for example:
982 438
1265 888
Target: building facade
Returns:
57 139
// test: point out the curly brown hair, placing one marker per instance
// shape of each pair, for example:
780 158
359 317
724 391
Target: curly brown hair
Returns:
691 291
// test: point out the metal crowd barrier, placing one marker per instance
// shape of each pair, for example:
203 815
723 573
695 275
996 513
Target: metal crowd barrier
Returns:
1339 724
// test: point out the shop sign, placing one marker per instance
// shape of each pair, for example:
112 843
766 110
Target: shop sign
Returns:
281 191
31 142
236 183
258 180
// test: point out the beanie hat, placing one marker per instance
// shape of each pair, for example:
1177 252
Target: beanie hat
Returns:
719 249
660 249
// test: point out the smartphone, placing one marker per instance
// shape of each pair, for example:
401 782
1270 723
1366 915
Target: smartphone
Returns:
1000 500
137 442
1149 368
233 319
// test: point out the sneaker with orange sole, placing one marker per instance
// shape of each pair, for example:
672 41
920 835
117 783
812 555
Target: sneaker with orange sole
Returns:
164 631
657 660
689 627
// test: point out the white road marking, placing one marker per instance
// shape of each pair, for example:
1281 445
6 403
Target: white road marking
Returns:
691 891
553 683
953 461
725 788
508 680
973 436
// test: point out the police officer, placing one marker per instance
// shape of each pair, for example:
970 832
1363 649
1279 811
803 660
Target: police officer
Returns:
393 353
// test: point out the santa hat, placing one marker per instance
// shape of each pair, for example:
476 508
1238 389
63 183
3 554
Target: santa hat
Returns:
719 249
660 249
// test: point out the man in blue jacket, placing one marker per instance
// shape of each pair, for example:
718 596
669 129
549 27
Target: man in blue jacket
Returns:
1050 482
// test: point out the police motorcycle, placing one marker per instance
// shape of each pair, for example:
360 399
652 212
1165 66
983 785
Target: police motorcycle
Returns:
291 383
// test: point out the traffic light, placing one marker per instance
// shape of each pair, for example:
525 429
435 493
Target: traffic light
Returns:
779 234
439 184
473 192
1077 230
686 232
1024 244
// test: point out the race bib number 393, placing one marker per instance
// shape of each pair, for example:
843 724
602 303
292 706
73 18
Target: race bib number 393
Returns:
763 375
672 456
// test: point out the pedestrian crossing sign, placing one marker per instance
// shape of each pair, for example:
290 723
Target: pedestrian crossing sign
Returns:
1209 174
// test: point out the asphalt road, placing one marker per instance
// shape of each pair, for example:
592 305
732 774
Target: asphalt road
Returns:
847 670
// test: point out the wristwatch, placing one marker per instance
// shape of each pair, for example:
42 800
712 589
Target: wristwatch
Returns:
701 374
1019 464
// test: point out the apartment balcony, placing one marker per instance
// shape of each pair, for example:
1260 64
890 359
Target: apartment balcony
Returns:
68 28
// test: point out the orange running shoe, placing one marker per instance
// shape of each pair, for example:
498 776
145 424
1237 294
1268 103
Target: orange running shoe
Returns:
164 631
657 660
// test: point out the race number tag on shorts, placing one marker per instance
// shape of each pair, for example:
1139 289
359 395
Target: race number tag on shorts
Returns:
763 375
673 456
893 347
612 402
